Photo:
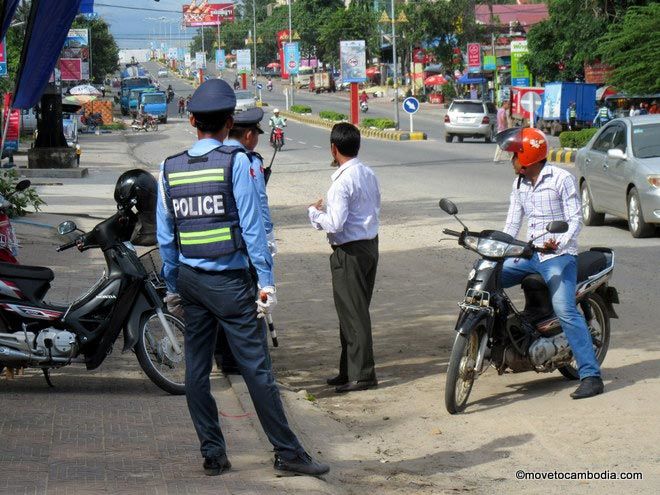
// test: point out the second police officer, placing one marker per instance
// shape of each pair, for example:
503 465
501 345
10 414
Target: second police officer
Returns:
209 228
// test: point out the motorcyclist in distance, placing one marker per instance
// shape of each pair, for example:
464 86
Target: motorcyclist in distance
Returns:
275 122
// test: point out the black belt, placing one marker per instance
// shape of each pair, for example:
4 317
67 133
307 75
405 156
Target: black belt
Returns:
201 271
353 243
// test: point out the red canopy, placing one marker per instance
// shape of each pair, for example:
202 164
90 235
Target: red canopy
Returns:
372 71
435 80
273 65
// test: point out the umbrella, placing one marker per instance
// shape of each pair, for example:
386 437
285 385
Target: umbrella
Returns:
78 99
605 91
273 65
85 89
435 80
372 71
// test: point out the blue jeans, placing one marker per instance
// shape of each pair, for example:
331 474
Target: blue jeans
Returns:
560 275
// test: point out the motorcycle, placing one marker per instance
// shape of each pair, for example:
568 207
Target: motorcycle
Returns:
277 138
37 334
146 124
269 86
8 241
490 328
364 106
92 121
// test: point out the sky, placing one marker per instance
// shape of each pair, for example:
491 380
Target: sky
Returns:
136 28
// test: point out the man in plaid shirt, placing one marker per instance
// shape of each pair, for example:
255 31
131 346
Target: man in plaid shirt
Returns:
544 193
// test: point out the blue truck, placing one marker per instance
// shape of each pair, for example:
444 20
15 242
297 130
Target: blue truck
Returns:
556 100
128 84
154 103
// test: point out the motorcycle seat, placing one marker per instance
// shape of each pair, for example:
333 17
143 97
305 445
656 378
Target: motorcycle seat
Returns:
41 273
589 263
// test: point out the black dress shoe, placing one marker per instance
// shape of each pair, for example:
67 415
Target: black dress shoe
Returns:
302 464
213 466
230 370
590 386
359 385
337 380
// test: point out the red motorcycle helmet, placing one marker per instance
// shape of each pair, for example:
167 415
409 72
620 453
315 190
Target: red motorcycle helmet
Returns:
528 144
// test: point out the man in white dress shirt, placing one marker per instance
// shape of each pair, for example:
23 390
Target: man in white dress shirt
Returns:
350 219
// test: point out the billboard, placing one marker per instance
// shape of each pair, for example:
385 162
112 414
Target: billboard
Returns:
292 57
474 57
243 61
14 127
220 60
74 60
3 59
172 53
197 14
519 72
200 60
353 60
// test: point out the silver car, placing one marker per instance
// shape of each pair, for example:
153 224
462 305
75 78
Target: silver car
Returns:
470 118
245 99
619 174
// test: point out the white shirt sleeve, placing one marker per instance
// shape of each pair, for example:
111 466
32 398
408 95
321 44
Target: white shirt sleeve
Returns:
332 220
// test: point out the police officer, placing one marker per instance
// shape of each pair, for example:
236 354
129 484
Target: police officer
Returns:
209 225
245 134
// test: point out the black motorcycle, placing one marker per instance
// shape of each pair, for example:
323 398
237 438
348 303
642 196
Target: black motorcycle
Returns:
490 328
36 334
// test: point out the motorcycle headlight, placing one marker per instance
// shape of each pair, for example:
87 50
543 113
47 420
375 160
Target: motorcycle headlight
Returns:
498 249
471 242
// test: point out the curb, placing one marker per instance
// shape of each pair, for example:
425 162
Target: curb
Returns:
562 155
390 135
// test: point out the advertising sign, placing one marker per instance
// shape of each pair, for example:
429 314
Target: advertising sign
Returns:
519 72
243 61
474 57
200 60
552 102
76 47
597 73
292 58
172 53
220 60
202 13
490 62
13 131
3 59
353 57
187 59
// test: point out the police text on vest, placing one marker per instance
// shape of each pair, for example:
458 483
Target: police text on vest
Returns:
199 206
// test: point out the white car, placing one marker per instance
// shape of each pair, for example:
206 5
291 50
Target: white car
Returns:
163 73
244 100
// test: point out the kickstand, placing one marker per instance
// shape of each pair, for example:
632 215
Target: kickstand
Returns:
47 377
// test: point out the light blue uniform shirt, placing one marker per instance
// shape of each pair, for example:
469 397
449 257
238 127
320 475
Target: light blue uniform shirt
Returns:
250 220
260 183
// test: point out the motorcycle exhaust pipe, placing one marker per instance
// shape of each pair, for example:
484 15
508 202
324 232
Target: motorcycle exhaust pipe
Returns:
9 356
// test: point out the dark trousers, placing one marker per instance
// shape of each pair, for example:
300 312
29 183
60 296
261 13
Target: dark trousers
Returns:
228 298
353 267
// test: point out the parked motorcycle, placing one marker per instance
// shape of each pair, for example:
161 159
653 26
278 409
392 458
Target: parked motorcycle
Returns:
150 122
37 334
8 241
490 328
277 138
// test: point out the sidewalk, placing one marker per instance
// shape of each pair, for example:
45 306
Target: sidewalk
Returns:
112 430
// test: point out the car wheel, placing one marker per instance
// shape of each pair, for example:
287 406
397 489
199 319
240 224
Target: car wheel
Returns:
489 136
460 139
449 138
636 224
590 216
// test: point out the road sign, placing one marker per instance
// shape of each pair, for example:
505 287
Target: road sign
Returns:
410 105
531 101
260 86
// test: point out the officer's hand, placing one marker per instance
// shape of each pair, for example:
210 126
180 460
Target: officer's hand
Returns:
272 244
266 301
174 306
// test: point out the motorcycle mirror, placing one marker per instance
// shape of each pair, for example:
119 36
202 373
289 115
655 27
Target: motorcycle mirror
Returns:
67 227
448 206
23 185
557 227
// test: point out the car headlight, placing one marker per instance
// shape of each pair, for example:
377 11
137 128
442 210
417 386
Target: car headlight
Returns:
654 180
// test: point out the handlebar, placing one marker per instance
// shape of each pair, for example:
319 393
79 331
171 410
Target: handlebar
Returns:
451 232
68 245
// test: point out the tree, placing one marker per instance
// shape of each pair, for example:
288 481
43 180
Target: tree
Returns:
104 49
358 22
632 47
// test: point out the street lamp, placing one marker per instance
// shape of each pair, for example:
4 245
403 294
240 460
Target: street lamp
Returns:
385 19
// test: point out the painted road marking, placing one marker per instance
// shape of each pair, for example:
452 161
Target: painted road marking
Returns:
302 142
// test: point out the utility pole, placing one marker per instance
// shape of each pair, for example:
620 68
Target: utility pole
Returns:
291 41
254 38
396 76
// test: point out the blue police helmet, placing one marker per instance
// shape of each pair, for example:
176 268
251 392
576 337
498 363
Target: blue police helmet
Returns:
213 95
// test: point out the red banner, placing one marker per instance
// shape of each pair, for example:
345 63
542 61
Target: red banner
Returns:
419 56
14 129
202 13
71 69
474 57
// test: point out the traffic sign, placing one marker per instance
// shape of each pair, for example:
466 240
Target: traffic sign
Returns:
410 105
260 86
531 101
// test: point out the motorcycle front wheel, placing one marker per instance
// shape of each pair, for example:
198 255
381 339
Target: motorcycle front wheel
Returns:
461 370
157 357
599 327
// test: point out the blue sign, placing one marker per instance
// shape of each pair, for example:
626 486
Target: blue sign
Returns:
520 81
292 58
3 59
220 59
410 105
260 86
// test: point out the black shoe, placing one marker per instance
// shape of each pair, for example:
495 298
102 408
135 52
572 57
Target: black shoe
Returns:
337 380
590 386
303 464
230 370
359 385
213 466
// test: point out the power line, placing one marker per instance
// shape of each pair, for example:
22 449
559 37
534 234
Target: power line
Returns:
97 4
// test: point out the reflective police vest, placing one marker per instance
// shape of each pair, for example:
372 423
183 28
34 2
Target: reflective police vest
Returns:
602 113
572 113
203 203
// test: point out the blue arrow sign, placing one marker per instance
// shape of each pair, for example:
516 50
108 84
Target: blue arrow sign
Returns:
410 105
260 86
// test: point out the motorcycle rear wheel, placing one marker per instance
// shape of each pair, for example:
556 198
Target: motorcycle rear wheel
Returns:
156 356
461 370
600 333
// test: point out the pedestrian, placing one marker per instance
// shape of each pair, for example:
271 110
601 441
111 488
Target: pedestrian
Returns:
182 106
502 124
78 153
643 109
603 116
633 111
209 228
245 134
571 116
653 109
544 193
188 101
350 219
